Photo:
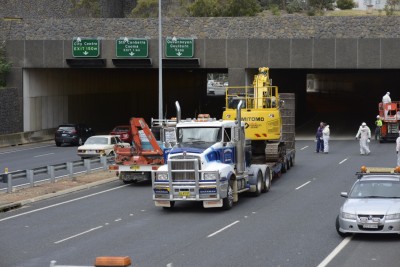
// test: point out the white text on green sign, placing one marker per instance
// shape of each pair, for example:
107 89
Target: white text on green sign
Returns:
129 47
85 47
179 47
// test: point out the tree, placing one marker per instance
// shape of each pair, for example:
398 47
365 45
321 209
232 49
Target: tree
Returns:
224 8
205 8
345 4
91 7
390 6
4 65
239 8
321 5
145 9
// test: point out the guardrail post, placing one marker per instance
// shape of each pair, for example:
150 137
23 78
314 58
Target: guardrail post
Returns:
29 175
86 163
70 169
9 183
50 171
103 160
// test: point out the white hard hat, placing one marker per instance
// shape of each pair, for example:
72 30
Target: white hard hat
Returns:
388 93
363 124
377 117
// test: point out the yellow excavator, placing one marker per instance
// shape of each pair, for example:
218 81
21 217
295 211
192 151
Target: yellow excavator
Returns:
262 115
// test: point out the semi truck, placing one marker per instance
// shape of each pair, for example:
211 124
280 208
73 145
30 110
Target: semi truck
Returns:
214 161
134 164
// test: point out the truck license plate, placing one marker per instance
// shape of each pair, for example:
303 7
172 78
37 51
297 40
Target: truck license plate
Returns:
135 167
370 226
184 193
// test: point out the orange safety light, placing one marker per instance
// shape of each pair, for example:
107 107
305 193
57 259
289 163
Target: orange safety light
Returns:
113 167
397 169
113 261
363 169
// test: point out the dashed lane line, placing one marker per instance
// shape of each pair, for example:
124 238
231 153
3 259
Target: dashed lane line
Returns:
222 229
85 232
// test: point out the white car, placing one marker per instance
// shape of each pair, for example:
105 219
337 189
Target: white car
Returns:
100 145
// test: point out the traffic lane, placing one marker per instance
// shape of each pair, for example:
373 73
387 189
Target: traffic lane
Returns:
87 226
146 233
28 158
369 251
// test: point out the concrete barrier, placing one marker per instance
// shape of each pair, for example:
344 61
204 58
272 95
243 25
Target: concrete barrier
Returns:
26 137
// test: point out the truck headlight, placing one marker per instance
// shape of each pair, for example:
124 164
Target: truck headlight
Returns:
349 216
395 216
210 176
162 176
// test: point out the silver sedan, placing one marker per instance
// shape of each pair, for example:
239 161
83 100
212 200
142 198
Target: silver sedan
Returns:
372 206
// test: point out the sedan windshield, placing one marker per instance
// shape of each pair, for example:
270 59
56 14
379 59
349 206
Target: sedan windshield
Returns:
376 189
199 135
97 140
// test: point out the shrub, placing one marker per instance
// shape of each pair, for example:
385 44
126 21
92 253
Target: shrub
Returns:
275 10
345 4
145 9
4 65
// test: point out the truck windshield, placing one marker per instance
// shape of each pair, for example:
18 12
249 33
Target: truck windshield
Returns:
199 135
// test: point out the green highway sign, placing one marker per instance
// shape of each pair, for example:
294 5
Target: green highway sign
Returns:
82 47
130 47
179 47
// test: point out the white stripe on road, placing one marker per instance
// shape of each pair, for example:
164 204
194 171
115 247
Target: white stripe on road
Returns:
14 151
62 203
303 185
222 229
65 239
336 251
303 148
343 160
43 155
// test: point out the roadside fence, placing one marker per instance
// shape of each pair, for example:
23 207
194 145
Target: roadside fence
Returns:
47 173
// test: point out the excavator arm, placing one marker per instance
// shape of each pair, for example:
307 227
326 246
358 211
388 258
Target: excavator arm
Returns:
138 124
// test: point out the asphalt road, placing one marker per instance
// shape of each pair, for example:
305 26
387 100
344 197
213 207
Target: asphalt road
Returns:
292 225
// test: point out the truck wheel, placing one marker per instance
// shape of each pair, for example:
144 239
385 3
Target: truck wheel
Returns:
259 184
58 143
172 203
267 182
337 228
227 203
283 169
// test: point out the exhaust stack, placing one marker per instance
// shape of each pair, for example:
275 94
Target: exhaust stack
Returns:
240 140
178 112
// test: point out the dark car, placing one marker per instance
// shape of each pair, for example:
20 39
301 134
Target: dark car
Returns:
124 132
73 134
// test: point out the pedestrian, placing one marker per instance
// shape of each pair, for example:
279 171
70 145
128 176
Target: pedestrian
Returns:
364 133
378 124
326 132
386 98
398 149
319 138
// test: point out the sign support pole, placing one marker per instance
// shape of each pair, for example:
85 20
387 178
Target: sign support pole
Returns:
160 89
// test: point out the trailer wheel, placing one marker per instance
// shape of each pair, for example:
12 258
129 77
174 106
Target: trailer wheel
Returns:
267 182
288 164
259 184
227 203
283 169
291 161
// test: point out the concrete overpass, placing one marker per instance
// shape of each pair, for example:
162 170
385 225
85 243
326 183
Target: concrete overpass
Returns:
332 73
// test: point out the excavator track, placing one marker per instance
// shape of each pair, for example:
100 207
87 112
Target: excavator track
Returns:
274 151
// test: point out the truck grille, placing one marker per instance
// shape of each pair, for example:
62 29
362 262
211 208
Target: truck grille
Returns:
184 169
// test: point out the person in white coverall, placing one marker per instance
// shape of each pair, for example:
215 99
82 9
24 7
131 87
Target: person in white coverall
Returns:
364 133
386 98
398 149
325 135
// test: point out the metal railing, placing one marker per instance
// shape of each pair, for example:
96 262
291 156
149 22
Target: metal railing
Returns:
47 173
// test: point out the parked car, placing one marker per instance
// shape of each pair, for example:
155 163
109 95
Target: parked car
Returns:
124 132
372 206
73 134
100 145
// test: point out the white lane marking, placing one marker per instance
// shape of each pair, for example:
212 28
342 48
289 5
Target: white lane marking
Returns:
85 232
15 151
343 160
336 251
303 185
62 203
43 155
303 148
222 229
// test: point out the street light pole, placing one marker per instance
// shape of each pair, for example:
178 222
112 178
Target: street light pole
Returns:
160 90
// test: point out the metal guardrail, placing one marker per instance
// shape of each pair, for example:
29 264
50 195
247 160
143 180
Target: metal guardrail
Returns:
51 169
